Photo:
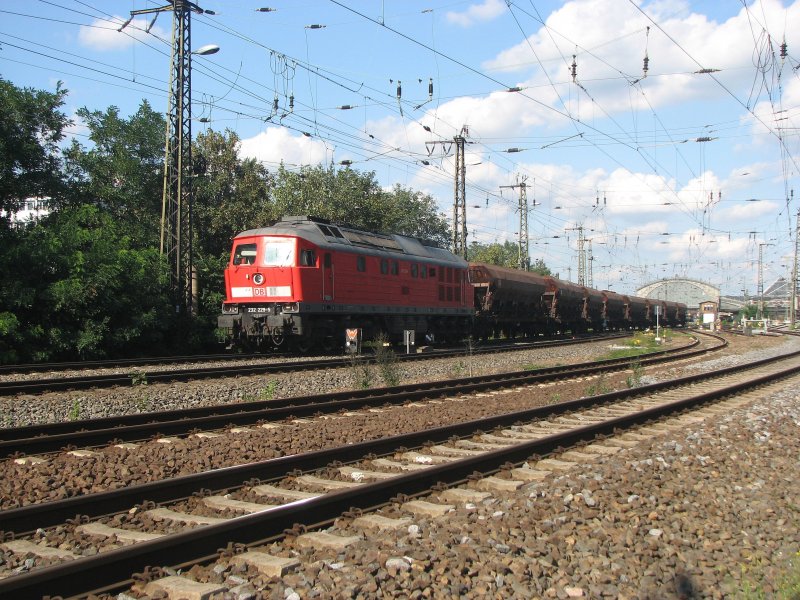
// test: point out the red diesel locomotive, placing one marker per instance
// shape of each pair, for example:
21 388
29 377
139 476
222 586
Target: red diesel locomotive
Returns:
303 281
306 280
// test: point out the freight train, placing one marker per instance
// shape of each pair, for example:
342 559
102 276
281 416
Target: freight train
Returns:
302 282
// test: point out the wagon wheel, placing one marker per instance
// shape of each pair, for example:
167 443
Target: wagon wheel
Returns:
302 345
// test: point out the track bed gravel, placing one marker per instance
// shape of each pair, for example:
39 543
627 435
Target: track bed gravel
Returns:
697 514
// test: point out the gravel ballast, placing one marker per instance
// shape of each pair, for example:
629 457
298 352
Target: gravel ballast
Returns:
701 513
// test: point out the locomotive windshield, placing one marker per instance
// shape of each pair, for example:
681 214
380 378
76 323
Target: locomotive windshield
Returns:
244 254
279 252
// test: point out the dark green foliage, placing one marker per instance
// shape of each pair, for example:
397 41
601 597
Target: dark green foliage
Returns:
88 280
76 288
31 126
503 255
539 267
354 198
122 171
232 195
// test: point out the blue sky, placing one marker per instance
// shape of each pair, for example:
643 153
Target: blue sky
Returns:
684 169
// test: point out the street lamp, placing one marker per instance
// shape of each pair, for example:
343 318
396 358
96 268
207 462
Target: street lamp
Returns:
206 50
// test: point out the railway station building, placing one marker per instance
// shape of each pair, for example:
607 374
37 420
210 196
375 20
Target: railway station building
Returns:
691 292
694 294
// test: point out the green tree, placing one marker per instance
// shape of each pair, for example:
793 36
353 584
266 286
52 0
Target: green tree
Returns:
413 213
231 194
76 288
503 255
31 127
748 311
541 268
356 198
122 171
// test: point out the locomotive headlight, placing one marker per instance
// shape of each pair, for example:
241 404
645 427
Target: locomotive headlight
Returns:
258 279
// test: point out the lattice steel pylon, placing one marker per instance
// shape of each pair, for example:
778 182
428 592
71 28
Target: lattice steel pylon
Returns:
176 208
460 197
524 259
581 254
793 293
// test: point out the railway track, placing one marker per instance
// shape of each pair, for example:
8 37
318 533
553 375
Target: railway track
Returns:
336 481
118 363
107 380
52 437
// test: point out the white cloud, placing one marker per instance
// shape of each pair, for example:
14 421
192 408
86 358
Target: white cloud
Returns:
104 36
277 144
486 11
683 43
742 214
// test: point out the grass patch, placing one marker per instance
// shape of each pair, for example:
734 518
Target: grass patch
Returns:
599 387
138 378
388 365
75 411
642 342
362 372
635 379
760 583
268 393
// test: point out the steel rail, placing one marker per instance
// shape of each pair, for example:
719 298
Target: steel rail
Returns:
110 502
121 362
39 386
112 570
144 361
52 437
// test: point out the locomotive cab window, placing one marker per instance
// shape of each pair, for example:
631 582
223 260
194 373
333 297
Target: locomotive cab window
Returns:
361 264
244 254
414 270
432 272
395 268
384 266
423 271
279 252
308 258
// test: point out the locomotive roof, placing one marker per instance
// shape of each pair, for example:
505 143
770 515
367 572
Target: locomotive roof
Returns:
325 234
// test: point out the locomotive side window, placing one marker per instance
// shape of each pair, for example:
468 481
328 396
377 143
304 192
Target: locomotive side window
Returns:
384 266
244 254
395 268
423 271
432 272
361 264
414 270
279 252
308 258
